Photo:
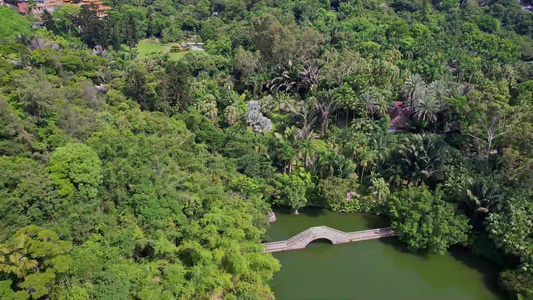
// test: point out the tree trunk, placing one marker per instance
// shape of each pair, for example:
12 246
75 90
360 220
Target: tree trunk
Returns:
323 124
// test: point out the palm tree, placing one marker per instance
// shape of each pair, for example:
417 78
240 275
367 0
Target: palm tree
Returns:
414 88
283 81
307 148
369 103
427 108
483 193
439 88
306 110
379 189
421 157
330 163
288 154
290 80
309 76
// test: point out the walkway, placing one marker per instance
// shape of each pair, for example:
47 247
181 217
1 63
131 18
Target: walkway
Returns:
301 240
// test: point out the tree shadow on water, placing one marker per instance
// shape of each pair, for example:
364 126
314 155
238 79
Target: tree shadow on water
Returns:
482 265
375 221
310 211
463 255
395 243
313 211
281 210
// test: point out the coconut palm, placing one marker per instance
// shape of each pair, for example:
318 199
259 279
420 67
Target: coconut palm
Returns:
369 103
439 88
427 108
379 189
414 88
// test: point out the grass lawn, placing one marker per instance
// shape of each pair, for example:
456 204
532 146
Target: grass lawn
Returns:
149 46
178 55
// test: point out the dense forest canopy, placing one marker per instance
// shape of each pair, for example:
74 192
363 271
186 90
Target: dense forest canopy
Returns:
129 176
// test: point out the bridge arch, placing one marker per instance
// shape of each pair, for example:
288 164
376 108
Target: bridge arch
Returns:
319 239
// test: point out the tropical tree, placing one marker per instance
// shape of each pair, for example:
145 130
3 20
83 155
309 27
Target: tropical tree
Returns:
76 168
285 80
439 88
326 104
422 157
37 259
292 80
290 191
255 118
483 193
308 77
340 65
424 221
287 154
427 108
379 189
330 163
136 86
333 191
510 227
414 89
175 87
37 95
305 109
307 148
369 104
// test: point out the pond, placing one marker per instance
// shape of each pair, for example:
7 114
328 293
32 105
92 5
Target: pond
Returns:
378 269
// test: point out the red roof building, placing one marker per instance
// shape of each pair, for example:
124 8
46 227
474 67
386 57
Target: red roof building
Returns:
23 7
398 116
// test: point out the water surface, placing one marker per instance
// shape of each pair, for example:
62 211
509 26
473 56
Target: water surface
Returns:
379 269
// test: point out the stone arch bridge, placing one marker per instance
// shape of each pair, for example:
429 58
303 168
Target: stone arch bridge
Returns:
301 240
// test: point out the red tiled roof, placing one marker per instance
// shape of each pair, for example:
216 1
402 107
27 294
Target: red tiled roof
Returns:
398 115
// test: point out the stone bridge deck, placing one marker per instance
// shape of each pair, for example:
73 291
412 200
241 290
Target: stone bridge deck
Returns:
301 240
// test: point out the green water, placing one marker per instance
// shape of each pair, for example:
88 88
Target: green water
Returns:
379 269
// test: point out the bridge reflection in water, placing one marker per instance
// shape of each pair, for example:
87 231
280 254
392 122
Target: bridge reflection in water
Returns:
301 240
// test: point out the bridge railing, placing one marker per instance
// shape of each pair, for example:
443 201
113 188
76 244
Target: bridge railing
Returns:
300 237
384 230
335 230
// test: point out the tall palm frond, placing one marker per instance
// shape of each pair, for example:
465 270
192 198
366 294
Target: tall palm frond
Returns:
308 77
414 88
422 157
369 103
281 82
290 80
426 109
439 88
